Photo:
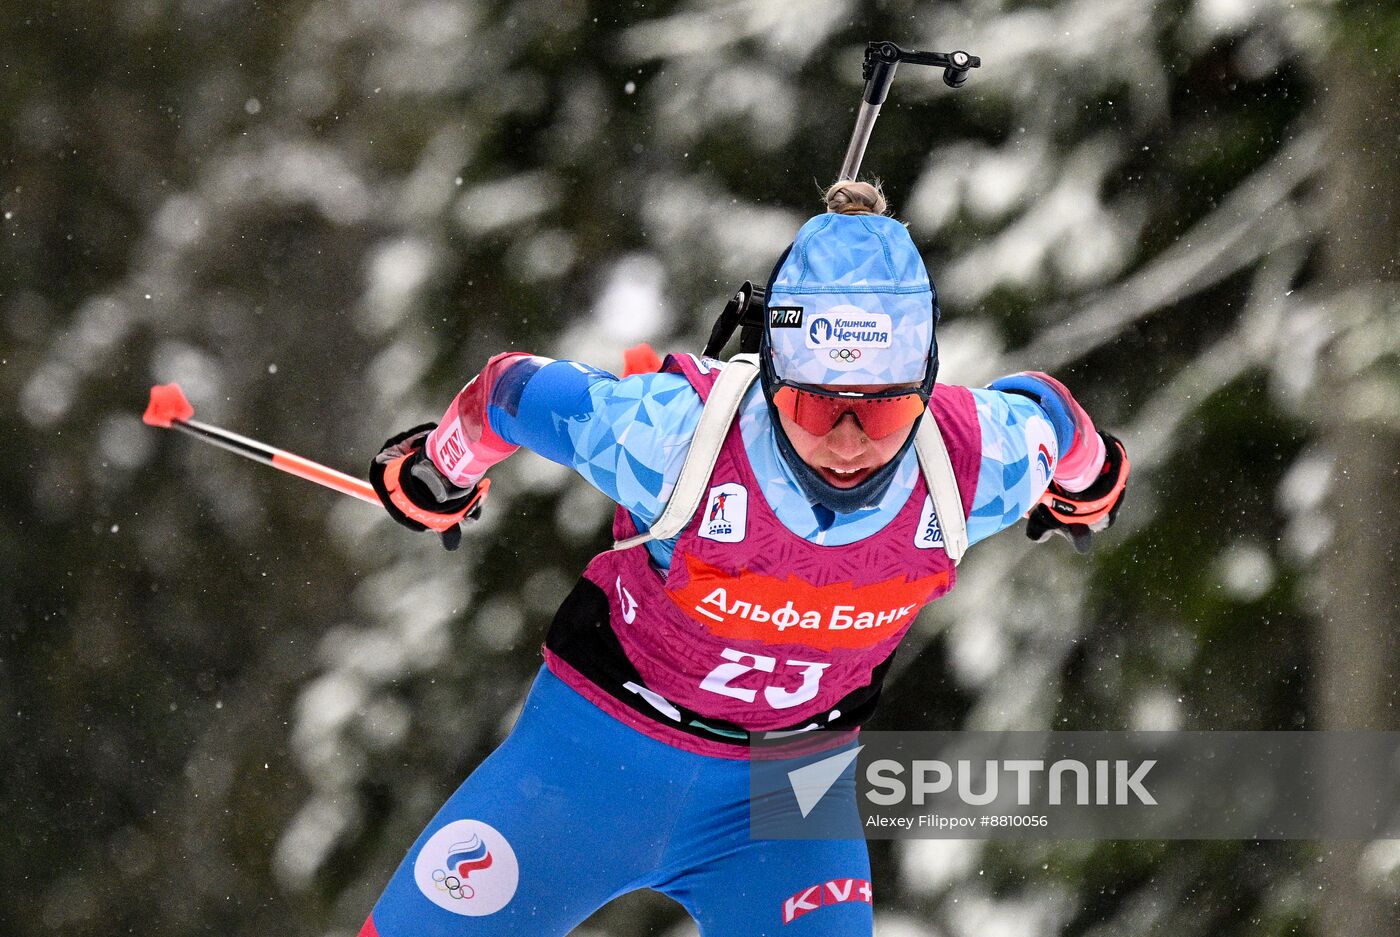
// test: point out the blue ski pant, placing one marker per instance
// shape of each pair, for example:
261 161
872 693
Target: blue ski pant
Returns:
575 808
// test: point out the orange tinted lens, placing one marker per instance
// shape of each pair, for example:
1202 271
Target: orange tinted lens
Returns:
813 412
818 413
881 416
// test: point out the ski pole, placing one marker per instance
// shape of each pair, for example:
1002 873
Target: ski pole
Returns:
881 59
169 409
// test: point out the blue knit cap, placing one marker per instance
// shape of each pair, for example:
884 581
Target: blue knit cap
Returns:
851 304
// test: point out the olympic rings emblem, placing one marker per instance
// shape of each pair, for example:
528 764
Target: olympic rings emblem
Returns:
453 885
845 354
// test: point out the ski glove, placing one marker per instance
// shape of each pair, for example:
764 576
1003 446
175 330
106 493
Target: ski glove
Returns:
1077 516
415 493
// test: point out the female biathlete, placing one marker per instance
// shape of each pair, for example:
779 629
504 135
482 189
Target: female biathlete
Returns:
831 496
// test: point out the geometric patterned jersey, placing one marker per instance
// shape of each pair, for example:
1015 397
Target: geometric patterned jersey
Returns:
628 437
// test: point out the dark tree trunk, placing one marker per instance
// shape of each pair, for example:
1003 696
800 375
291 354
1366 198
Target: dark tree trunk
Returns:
1357 657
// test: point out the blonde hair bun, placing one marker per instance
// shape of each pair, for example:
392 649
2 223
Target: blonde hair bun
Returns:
849 197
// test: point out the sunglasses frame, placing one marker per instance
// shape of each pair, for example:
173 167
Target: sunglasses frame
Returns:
771 381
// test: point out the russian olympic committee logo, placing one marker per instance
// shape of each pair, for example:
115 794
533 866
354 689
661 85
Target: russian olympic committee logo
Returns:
1040 440
468 868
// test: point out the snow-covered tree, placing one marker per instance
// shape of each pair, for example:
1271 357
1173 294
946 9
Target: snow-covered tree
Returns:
233 701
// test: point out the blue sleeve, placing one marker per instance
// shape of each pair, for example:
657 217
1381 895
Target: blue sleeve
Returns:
627 437
1019 449
1055 402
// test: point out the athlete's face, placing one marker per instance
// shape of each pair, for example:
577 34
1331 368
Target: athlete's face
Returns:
845 456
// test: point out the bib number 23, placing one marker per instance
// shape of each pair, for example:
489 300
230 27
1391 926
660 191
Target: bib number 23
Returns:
739 663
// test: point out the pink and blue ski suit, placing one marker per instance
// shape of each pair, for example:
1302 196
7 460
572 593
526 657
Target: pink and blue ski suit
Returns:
627 767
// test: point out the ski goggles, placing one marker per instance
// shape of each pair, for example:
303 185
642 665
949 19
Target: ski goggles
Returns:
879 414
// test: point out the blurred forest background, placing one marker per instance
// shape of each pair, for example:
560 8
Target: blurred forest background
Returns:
230 700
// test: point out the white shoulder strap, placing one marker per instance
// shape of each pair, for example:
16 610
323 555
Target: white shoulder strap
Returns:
717 416
942 487
715 419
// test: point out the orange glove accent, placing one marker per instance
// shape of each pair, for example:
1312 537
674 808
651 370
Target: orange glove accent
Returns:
1078 515
416 495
